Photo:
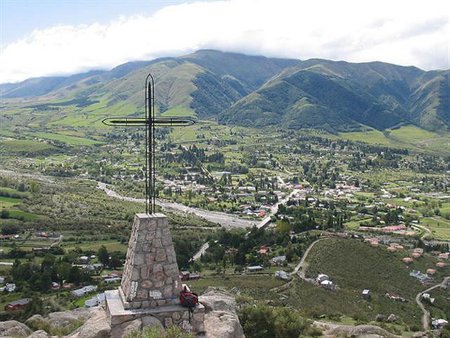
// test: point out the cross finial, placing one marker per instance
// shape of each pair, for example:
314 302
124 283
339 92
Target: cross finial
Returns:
149 121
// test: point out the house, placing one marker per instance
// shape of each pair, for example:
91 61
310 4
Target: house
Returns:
322 277
427 297
366 294
2 280
283 275
327 284
438 323
264 250
10 287
278 260
84 259
84 290
186 275
395 297
109 280
18 304
254 268
96 300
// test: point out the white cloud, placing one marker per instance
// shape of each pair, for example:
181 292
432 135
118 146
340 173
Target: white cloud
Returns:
402 32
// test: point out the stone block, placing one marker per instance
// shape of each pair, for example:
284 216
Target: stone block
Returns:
135 275
160 255
167 291
161 302
151 321
168 322
199 316
158 267
147 284
139 259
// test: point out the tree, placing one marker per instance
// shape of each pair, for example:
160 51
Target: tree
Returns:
115 260
4 214
74 275
103 255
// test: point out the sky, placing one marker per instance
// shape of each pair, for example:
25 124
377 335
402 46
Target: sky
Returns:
63 37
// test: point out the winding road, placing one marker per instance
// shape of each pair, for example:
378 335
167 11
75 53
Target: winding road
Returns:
227 221
426 314
301 267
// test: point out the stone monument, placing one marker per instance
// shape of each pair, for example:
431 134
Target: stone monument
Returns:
150 276
151 284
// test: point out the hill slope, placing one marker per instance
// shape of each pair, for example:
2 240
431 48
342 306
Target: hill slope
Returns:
245 90
343 96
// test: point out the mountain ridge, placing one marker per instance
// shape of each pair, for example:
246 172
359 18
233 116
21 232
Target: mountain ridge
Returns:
258 91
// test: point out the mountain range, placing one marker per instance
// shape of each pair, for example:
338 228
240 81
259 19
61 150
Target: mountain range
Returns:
251 91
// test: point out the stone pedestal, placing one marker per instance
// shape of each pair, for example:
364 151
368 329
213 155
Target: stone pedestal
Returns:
150 276
151 285
167 315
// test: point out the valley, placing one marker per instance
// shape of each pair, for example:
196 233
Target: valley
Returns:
374 198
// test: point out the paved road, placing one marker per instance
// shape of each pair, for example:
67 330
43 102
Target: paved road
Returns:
200 252
227 221
274 209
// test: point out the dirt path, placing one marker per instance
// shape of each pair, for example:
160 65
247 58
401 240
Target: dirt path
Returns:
426 314
301 267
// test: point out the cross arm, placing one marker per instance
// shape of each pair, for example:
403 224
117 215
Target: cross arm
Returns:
157 121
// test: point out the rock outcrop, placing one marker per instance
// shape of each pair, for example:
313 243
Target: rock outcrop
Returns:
14 328
96 326
221 319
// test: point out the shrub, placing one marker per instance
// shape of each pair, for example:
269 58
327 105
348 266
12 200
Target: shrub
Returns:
156 332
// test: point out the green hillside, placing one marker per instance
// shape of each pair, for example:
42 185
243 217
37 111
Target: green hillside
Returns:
239 89
353 266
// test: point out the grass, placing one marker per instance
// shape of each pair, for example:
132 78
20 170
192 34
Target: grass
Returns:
110 246
353 225
354 266
72 140
178 111
370 136
24 146
7 202
440 227
256 285
14 192
410 137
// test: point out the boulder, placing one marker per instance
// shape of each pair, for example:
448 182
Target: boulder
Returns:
97 326
221 319
61 320
35 322
126 328
151 321
392 318
14 328
39 334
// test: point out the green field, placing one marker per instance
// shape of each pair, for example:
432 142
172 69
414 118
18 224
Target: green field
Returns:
256 285
6 202
94 246
24 146
72 140
178 111
440 227
410 137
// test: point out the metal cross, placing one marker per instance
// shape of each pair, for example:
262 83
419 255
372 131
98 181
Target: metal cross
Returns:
149 121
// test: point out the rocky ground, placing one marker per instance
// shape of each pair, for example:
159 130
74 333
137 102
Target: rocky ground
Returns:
221 320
